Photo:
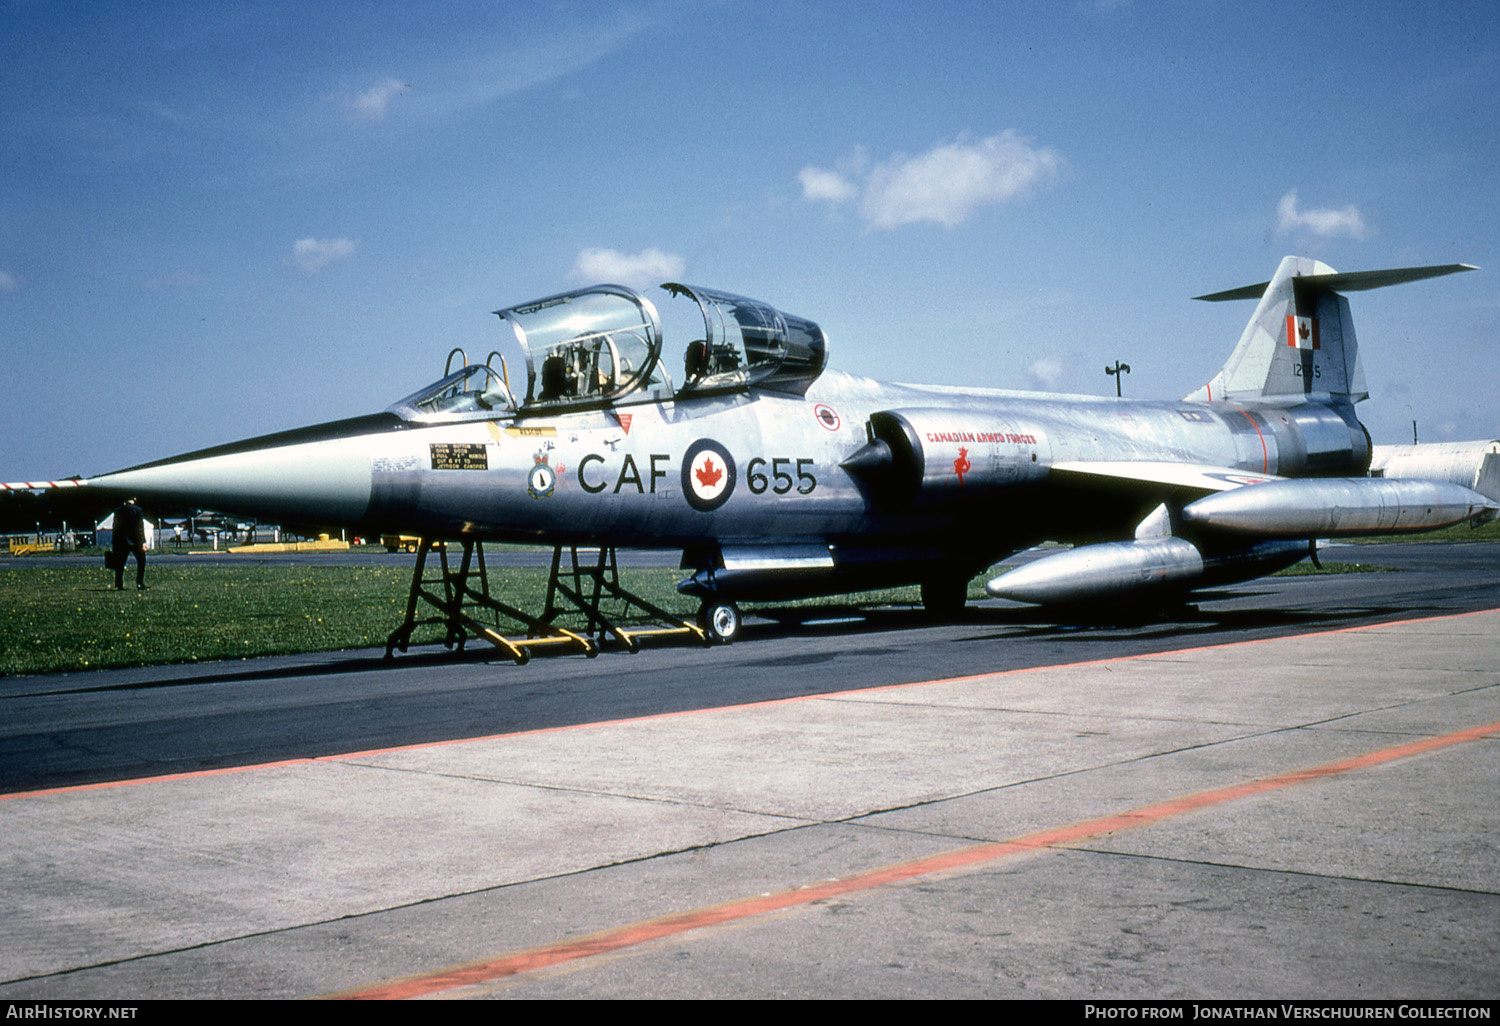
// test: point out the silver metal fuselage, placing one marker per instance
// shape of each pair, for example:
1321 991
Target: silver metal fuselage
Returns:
778 477
964 490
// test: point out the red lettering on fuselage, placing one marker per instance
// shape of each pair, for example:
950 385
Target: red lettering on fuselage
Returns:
981 437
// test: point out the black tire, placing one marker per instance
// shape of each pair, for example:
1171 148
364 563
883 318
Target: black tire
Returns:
721 621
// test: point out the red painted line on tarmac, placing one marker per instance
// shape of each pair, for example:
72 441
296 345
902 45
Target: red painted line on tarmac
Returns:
104 785
635 934
767 703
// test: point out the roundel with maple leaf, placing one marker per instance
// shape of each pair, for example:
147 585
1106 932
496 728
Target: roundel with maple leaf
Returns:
708 475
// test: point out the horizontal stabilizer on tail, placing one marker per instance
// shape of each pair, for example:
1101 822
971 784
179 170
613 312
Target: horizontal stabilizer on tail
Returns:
1355 281
1300 341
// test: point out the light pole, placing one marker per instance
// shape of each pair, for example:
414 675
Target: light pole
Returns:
1118 369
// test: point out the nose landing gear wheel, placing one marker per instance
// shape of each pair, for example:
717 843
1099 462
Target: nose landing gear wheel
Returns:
720 620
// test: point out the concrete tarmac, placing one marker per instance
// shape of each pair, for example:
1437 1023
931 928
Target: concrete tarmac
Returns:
1296 817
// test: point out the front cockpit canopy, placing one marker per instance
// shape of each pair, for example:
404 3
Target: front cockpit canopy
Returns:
600 345
588 346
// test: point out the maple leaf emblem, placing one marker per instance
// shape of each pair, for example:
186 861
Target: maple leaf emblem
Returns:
709 475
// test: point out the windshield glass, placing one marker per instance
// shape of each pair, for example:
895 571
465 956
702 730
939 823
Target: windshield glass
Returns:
477 389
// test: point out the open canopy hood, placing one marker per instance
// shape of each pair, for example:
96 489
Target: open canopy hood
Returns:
603 344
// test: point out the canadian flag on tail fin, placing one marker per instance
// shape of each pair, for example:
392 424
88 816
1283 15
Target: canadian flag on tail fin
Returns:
1301 332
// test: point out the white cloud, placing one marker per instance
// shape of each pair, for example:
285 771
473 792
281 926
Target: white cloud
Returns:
549 44
648 267
819 184
945 185
311 255
9 282
1319 221
949 183
372 103
1047 372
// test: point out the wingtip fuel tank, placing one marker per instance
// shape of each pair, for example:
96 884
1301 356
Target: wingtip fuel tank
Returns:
1339 508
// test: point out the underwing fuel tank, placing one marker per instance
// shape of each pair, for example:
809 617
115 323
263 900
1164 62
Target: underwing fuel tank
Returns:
1096 572
1338 507
1114 570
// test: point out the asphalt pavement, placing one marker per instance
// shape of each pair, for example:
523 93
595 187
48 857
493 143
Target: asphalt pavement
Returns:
1286 793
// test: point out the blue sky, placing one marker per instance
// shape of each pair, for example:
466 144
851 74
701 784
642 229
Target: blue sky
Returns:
218 220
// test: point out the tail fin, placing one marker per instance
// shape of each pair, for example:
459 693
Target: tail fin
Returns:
1300 341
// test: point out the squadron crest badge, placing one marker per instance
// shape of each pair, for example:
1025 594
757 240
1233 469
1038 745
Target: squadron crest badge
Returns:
542 479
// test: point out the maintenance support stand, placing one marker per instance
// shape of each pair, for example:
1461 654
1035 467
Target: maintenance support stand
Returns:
584 587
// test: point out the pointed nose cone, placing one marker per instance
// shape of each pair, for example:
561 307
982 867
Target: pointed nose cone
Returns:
320 475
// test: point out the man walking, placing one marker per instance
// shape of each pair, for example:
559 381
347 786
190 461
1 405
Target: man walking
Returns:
130 537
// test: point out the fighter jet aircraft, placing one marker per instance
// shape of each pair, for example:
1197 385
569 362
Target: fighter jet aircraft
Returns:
781 478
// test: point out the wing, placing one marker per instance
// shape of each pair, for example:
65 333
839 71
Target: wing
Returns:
1172 480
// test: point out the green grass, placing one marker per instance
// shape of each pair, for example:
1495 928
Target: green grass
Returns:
70 618
1489 532
1306 568
57 619
66 618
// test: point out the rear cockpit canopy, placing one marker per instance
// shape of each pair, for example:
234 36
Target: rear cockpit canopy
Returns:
602 345
747 344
